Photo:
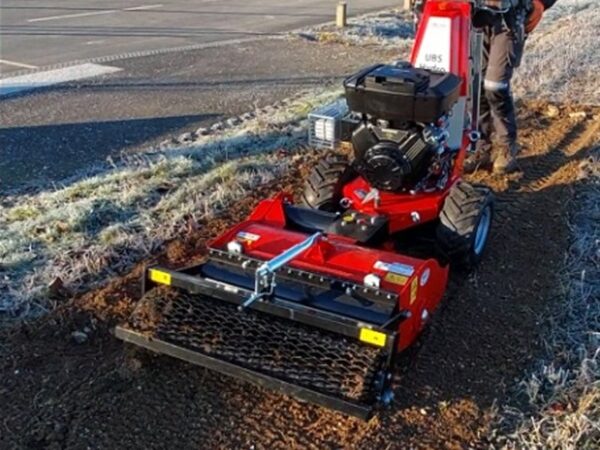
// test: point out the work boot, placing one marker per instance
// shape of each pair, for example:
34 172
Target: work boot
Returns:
479 159
506 159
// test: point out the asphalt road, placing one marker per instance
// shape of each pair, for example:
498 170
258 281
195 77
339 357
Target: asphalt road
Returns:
36 33
48 135
52 134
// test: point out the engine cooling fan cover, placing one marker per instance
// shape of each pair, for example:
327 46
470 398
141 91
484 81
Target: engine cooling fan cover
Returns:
385 166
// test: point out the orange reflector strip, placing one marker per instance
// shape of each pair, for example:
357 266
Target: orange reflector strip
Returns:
414 289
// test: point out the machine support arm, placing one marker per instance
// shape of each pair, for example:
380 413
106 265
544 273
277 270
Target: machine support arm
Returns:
264 282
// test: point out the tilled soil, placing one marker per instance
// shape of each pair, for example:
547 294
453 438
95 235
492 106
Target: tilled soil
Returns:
58 393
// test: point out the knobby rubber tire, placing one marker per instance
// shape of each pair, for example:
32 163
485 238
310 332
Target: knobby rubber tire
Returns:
465 208
323 188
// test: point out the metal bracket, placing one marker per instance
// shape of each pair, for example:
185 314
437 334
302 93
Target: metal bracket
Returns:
264 281
476 83
372 196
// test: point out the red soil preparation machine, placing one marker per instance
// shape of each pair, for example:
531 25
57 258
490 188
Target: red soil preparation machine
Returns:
317 299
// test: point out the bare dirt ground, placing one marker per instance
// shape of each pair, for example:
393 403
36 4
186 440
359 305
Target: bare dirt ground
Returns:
58 393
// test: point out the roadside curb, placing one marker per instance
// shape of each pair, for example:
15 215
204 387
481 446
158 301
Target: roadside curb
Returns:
191 137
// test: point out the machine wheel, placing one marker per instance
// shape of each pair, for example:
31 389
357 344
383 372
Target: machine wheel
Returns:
465 223
323 188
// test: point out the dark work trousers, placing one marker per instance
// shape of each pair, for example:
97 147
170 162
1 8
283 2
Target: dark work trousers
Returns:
502 53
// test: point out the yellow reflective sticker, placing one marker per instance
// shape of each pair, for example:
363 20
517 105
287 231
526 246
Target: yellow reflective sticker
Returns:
372 337
414 288
160 277
396 279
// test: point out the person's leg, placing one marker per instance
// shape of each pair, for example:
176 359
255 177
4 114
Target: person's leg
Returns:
503 56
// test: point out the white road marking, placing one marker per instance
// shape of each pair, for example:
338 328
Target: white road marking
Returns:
71 16
48 78
17 64
95 13
144 7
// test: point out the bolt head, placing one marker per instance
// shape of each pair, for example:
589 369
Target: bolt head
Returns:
387 397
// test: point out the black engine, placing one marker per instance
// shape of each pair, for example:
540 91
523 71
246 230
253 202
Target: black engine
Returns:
391 159
398 126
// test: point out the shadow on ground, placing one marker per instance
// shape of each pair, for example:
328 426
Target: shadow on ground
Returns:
180 86
64 149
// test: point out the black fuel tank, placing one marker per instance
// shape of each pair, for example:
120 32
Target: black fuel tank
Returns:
402 92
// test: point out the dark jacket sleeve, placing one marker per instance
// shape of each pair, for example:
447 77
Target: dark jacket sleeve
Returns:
548 3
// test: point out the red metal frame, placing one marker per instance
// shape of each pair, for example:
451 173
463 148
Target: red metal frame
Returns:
399 208
339 256
459 12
